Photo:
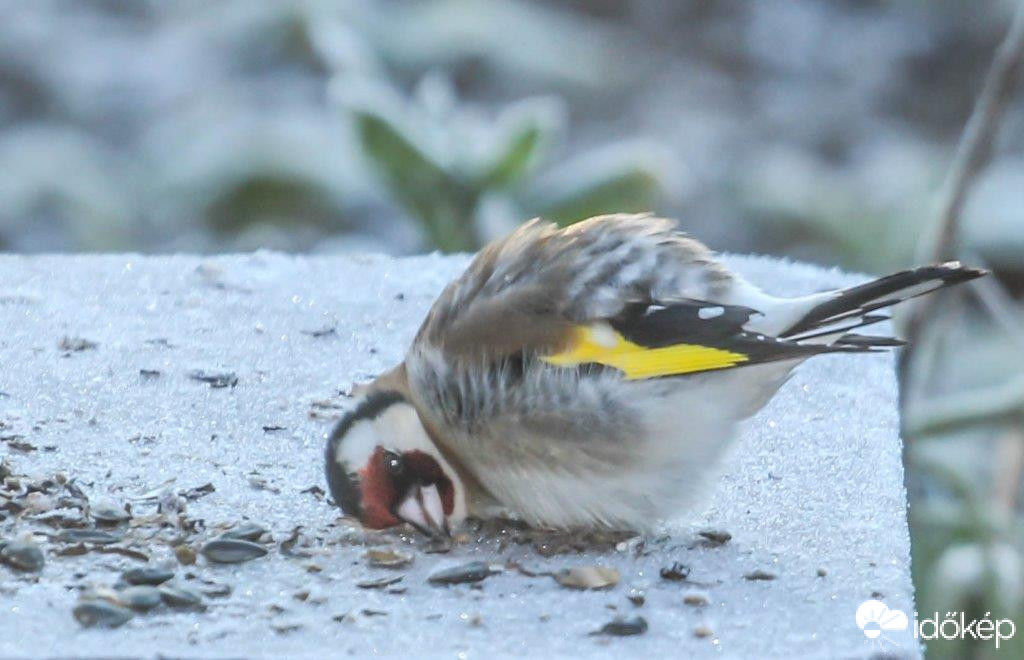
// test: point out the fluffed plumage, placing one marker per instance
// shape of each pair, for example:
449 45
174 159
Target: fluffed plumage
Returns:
594 375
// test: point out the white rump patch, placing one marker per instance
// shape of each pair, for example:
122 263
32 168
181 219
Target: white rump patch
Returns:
603 335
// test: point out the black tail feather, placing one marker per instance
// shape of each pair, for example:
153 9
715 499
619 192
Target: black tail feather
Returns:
872 341
861 300
863 321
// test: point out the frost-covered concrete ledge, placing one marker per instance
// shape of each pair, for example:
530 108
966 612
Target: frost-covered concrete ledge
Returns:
814 496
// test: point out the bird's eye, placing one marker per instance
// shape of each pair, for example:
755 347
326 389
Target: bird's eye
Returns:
396 466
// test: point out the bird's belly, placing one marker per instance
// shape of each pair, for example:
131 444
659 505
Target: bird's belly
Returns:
564 450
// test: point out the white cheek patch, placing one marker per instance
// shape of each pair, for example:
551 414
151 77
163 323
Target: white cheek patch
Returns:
422 507
432 503
360 441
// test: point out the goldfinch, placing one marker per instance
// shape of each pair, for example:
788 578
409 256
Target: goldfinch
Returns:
591 376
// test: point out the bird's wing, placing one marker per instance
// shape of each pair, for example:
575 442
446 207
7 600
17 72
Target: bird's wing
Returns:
527 292
678 338
628 292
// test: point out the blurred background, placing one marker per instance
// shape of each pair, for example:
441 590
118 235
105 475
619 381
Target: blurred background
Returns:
816 130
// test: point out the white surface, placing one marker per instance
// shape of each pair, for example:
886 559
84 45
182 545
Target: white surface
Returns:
817 483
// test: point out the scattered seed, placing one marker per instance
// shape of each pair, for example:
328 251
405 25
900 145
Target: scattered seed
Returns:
23 555
387 558
232 551
759 575
62 518
623 627
148 575
718 537
101 614
822 572
322 332
249 531
677 572
218 590
215 379
271 428
87 536
380 583
72 550
198 491
588 577
185 554
149 373
259 483
37 503
283 628
702 632
438 546
636 596
474 571
141 598
315 491
76 344
108 513
179 598
131 553
696 598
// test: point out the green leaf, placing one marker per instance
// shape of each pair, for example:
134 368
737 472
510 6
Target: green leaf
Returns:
412 176
515 158
632 189
444 206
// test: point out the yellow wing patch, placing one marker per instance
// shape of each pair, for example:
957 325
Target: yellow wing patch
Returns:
602 345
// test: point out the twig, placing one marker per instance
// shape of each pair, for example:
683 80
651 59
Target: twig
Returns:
1010 467
972 155
975 147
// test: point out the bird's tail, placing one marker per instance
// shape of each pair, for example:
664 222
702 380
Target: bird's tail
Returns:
833 319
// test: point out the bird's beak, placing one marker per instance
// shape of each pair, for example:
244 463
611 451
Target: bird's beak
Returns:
422 509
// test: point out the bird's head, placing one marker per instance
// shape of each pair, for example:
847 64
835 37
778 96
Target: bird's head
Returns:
384 469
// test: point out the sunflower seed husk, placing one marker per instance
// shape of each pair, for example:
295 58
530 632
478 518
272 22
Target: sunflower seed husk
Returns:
108 513
87 536
677 572
232 551
716 536
387 558
623 627
696 598
245 532
218 591
588 577
474 571
180 598
23 555
76 344
99 613
379 583
215 379
759 575
148 575
141 598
